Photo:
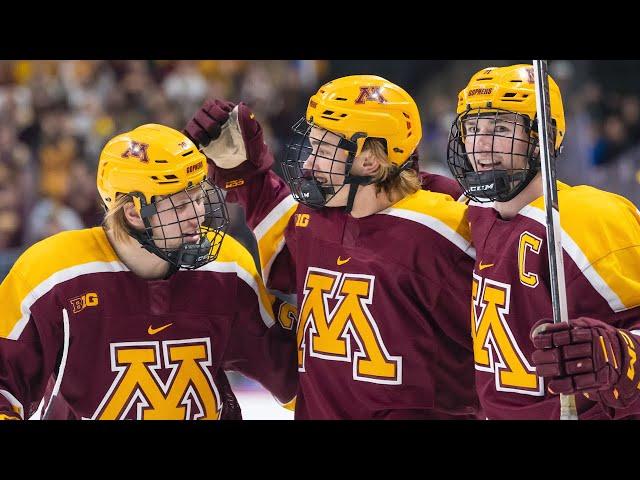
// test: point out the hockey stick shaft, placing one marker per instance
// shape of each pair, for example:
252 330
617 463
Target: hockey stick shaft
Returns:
554 232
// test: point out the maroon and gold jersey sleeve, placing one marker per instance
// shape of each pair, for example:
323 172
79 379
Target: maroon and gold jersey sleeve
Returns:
269 209
262 341
27 355
265 354
601 243
32 322
601 235
440 184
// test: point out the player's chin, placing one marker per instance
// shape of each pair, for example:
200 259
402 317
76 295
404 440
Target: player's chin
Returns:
337 201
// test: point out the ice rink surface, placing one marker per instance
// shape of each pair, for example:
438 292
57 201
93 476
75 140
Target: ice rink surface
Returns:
256 403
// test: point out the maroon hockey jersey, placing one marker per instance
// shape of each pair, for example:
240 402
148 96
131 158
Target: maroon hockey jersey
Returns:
383 302
601 241
122 347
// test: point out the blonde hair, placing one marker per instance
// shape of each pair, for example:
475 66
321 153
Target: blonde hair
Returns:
387 177
115 220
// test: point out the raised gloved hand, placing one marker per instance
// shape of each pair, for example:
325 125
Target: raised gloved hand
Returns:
207 122
587 356
232 138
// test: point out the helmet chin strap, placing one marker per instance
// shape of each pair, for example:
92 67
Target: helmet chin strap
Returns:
354 183
150 246
143 240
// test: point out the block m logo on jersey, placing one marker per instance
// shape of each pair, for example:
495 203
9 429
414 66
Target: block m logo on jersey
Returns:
138 392
330 330
494 346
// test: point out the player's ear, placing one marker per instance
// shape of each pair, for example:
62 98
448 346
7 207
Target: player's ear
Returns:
132 217
370 163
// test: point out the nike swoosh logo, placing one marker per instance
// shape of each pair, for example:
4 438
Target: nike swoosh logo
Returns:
339 261
153 331
486 265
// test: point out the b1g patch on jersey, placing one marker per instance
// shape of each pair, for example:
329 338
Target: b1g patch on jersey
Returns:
302 219
494 346
326 333
137 392
83 301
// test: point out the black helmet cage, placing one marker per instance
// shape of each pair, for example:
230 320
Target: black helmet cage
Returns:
210 226
500 182
305 187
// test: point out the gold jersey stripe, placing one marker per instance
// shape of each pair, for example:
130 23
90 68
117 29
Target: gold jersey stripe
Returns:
233 252
270 233
601 233
46 263
16 406
440 213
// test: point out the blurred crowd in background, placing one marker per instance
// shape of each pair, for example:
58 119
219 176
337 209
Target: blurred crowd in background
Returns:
55 117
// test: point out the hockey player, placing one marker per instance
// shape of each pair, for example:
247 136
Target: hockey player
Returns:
494 154
137 319
380 267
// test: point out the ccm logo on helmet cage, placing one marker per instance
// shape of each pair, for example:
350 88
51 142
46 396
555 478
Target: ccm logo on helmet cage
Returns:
481 188
370 93
137 150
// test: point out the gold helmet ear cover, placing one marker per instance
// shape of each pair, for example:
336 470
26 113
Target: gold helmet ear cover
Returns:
162 171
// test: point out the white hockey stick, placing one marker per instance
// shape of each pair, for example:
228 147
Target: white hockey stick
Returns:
554 232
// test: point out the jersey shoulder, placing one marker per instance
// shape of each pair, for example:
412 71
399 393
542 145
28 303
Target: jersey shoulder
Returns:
597 220
235 257
438 212
45 265
64 250
233 251
440 207
601 233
